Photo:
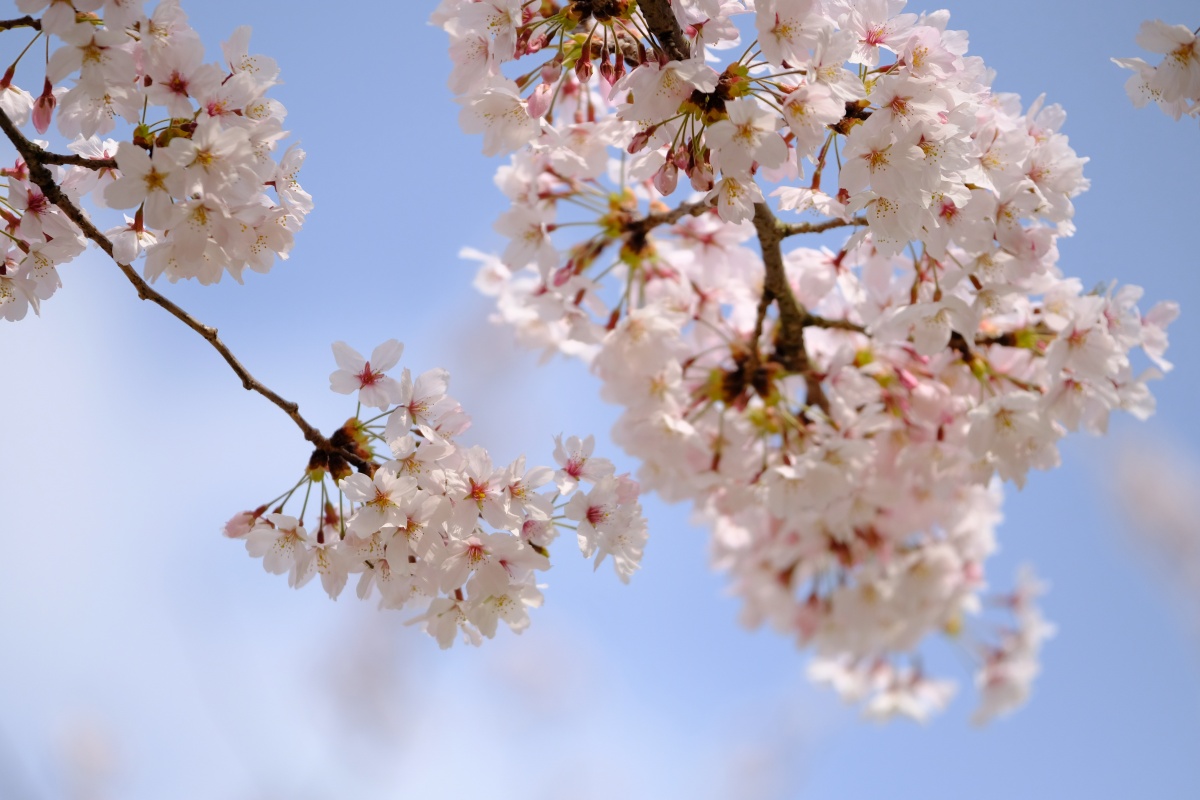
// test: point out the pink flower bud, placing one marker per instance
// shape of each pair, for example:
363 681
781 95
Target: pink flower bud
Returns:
640 139
551 71
562 275
666 178
618 67
539 101
241 524
43 108
583 70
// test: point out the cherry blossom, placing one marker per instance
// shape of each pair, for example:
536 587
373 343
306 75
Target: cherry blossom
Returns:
1174 84
843 419
366 376
438 526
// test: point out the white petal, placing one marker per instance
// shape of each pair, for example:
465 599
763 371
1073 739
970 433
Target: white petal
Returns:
386 355
348 358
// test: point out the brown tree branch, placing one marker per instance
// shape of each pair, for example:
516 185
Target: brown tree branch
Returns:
662 23
73 160
787 229
813 321
40 175
789 338
26 21
790 352
641 227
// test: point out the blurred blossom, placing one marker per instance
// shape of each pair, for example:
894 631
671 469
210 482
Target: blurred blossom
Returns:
89 760
1157 486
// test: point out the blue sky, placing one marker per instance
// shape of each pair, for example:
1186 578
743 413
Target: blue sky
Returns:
133 628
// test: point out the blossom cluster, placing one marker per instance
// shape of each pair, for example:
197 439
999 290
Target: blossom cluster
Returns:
432 523
1174 83
841 418
196 163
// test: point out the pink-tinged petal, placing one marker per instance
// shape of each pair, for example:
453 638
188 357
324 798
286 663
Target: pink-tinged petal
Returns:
374 396
343 382
132 159
386 355
348 358
432 383
259 541
382 394
160 212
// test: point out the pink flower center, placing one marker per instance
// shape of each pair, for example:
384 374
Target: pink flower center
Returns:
178 84
574 467
368 377
37 203
596 515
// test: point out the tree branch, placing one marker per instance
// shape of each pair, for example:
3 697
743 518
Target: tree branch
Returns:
789 338
21 22
789 335
73 160
38 173
787 229
813 321
647 223
661 20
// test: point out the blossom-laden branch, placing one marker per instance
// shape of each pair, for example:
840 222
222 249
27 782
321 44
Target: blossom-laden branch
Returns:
425 521
36 159
790 352
843 446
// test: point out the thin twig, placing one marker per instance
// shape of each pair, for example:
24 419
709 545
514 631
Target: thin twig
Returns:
959 343
814 321
787 229
73 160
39 175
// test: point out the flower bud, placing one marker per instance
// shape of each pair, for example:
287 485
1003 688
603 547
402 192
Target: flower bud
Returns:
551 70
640 140
702 177
43 108
562 275
583 70
539 101
666 178
536 43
